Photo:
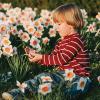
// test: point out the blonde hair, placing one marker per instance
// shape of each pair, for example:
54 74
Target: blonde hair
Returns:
69 13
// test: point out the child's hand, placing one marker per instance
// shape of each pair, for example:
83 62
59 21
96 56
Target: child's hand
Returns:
34 57
27 50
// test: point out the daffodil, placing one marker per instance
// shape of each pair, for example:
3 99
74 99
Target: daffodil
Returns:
21 86
44 88
69 74
81 84
46 78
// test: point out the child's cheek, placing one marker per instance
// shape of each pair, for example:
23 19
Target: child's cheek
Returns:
58 28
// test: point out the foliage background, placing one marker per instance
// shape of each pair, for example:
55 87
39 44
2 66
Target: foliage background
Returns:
91 6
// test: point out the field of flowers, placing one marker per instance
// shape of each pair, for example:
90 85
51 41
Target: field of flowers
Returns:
25 27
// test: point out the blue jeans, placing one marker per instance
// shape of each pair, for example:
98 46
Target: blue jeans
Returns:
73 85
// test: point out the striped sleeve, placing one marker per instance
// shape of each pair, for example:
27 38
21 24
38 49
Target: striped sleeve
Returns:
64 54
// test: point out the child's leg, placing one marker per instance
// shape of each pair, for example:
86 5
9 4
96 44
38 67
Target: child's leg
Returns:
32 87
78 85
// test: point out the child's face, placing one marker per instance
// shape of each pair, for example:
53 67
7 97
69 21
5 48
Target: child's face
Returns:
63 29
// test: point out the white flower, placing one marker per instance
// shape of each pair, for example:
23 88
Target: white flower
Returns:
38 34
34 42
69 74
44 88
22 86
3 27
5 41
6 6
81 84
3 18
29 12
37 23
40 28
91 27
25 37
14 12
31 29
7 50
45 13
12 20
45 40
52 32
84 13
46 78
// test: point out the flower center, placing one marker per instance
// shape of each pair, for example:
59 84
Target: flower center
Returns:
7 49
45 89
82 84
70 75
34 42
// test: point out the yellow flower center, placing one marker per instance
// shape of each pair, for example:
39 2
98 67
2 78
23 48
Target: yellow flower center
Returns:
37 34
31 29
12 20
6 41
3 28
7 49
36 23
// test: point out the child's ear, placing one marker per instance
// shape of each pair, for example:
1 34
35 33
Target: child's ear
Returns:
71 27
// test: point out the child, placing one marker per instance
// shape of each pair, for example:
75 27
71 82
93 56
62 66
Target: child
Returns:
69 55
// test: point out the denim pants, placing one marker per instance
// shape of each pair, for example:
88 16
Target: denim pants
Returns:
70 82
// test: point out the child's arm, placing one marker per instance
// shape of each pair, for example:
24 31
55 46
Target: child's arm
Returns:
62 56
34 57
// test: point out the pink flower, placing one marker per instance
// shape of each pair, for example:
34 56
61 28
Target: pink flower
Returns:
52 32
37 34
91 28
45 40
25 37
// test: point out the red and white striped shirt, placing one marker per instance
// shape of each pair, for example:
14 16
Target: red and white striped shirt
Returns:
69 53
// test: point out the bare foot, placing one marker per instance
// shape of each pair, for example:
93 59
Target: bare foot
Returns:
7 96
